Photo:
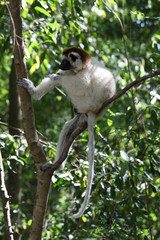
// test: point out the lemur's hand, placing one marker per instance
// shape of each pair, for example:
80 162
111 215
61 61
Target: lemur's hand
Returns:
55 77
24 82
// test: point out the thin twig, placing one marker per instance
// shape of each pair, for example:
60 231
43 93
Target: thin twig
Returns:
15 36
126 54
148 211
9 126
46 142
5 203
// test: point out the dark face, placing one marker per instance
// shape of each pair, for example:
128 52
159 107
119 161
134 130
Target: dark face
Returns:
65 65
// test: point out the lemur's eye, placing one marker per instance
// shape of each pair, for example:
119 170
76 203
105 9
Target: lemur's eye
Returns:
73 57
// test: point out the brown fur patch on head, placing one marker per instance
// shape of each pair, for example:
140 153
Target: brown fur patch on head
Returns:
84 56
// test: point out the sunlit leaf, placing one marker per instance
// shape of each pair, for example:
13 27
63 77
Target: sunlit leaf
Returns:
30 1
33 68
84 219
42 10
109 122
124 155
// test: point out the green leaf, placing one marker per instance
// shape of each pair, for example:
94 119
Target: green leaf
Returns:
33 68
42 10
109 122
30 1
84 219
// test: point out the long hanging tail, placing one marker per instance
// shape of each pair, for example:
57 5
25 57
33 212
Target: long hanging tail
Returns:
91 123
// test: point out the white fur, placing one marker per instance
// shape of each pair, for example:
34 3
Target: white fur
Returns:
91 123
77 65
89 88
46 85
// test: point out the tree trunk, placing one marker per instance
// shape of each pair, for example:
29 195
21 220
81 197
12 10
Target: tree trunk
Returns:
43 178
14 103
14 179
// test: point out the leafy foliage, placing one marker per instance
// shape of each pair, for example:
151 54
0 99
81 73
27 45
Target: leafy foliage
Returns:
125 198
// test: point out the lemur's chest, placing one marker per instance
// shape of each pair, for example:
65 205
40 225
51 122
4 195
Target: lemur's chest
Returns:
78 86
81 93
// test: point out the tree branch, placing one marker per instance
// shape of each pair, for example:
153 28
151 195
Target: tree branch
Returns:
80 127
129 86
11 127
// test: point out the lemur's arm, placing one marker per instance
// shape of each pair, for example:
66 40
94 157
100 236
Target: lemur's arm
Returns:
46 85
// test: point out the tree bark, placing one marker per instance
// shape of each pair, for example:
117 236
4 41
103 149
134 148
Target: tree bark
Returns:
14 179
14 103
